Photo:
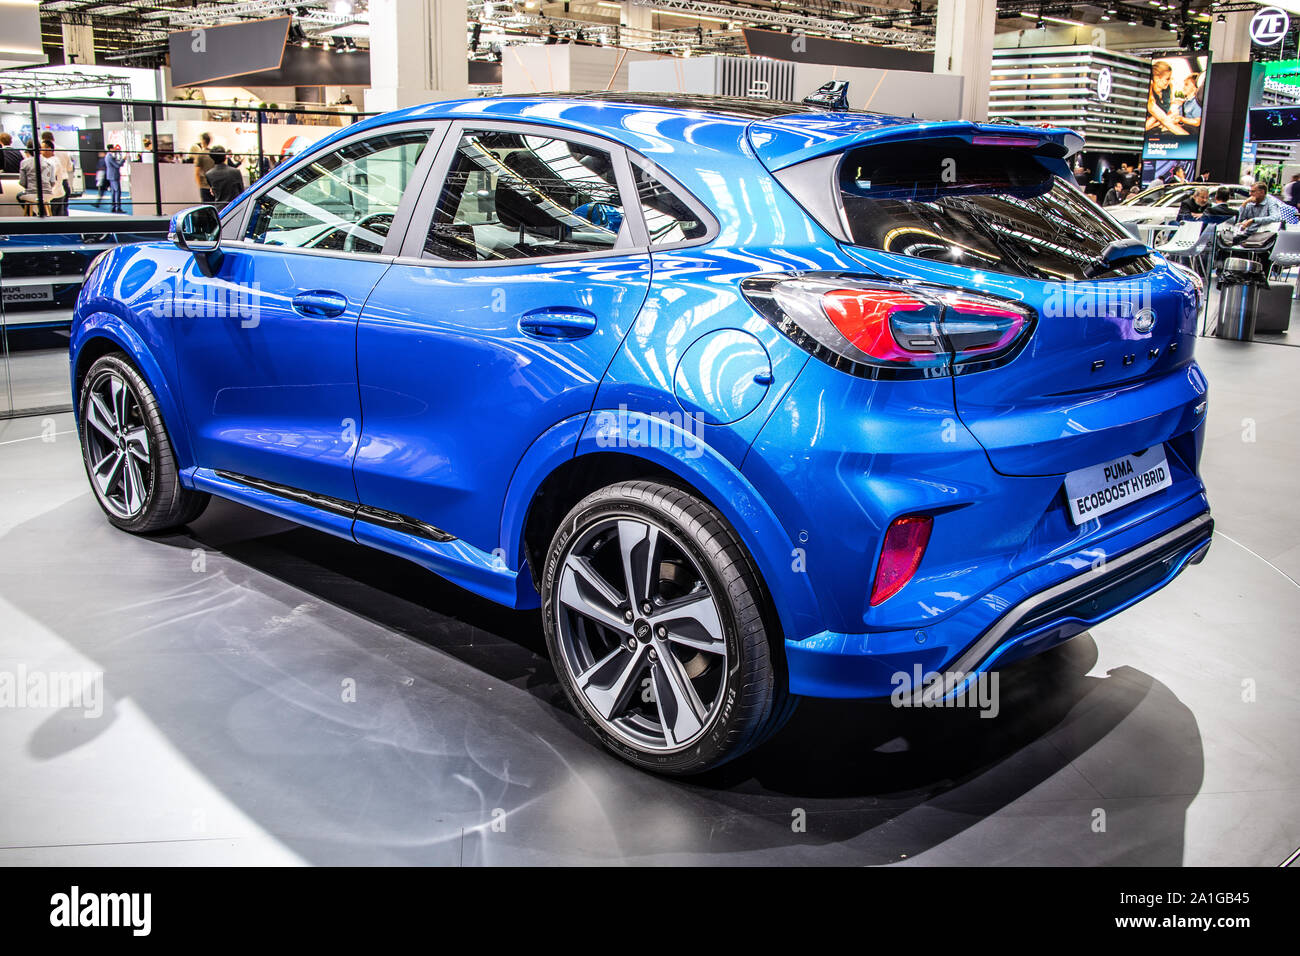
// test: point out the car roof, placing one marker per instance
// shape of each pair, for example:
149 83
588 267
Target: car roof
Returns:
779 133
728 107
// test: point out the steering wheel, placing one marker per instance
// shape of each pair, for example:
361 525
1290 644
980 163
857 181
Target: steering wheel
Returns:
377 223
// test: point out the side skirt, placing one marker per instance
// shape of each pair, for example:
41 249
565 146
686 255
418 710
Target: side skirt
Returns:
483 573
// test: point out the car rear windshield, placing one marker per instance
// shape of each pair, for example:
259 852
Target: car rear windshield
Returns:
994 208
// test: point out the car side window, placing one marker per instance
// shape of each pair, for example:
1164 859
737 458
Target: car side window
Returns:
342 200
668 218
510 195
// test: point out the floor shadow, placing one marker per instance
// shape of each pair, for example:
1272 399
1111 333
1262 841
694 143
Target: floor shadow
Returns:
235 636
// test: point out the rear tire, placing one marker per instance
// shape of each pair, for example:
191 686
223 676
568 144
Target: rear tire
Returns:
656 621
127 453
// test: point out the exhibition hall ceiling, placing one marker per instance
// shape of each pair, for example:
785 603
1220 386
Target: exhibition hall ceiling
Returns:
134 32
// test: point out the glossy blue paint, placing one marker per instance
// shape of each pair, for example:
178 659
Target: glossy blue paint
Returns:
1049 411
270 386
449 393
685 451
723 376
866 664
454 391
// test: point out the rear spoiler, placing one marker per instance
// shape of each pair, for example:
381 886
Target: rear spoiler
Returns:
788 141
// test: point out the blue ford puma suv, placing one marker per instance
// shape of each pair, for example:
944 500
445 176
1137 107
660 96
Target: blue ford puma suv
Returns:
754 400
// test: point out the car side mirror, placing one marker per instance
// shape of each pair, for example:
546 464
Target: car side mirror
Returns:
198 230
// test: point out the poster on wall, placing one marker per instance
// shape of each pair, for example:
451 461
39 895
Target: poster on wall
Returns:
1175 105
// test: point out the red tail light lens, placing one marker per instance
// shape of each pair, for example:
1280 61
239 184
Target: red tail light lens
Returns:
888 324
905 542
880 328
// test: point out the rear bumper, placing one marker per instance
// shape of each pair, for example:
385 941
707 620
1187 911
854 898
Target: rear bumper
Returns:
1023 616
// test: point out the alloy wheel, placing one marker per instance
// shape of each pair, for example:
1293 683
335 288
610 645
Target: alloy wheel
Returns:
640 634
118 446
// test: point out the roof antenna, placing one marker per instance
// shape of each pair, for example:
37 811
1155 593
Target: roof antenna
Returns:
830 96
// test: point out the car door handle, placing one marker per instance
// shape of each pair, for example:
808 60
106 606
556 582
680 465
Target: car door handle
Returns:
558 323
320 302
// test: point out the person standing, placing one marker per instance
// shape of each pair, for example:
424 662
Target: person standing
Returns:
1291 191
113 164
201 157
225 181
101 179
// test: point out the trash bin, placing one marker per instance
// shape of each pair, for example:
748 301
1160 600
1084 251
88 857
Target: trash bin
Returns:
1241 285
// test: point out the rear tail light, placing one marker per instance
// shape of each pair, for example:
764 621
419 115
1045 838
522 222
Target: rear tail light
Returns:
905 543
880 328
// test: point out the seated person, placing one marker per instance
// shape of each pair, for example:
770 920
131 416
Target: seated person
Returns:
1220 208
1260 209
1195 205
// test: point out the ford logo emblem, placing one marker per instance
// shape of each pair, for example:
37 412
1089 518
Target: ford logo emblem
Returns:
1144 321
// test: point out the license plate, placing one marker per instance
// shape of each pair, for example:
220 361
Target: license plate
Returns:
1092 492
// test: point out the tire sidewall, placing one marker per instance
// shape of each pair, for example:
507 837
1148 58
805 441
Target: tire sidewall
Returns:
717 741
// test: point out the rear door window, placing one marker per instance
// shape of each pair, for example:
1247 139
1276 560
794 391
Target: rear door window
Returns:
993 208
511 195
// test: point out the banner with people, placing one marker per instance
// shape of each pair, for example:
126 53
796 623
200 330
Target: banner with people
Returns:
1175 107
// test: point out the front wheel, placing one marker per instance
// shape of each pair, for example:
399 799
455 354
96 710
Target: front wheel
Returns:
655 620
127 453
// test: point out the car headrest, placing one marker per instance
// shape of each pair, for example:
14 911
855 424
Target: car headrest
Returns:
516 198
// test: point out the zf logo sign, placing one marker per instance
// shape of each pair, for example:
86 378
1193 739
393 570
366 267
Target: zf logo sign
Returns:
1269 26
